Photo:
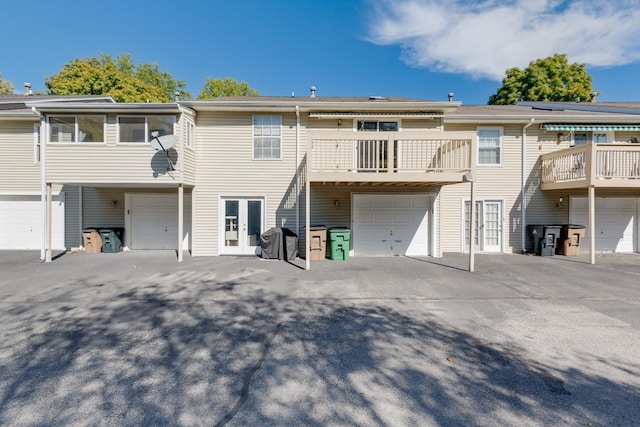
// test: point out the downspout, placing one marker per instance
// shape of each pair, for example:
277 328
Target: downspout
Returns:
297 173
524 185
43 181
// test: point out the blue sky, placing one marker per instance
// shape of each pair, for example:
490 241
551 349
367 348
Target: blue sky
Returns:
409 48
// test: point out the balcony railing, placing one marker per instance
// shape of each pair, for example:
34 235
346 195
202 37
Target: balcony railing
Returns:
395 154
610 165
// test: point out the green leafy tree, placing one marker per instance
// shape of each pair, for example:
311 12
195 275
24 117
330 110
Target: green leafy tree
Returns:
214 88
120 78
6 88
547 79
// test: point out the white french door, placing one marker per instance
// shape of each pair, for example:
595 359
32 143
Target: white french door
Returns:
241 226
488 225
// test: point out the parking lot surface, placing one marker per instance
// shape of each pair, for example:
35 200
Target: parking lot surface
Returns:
136 338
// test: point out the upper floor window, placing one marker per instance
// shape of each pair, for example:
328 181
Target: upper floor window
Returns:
267 137
490 147
139 129
190 134
74 129
581 138
377 126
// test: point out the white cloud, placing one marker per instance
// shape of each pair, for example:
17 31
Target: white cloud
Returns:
483 38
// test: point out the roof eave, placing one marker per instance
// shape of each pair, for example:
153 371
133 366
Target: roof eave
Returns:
306 105
52 107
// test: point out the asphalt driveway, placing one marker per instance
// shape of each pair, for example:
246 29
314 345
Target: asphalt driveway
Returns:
138 339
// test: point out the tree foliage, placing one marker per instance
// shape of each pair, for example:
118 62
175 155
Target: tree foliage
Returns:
214 88
547 79
118 77
6 87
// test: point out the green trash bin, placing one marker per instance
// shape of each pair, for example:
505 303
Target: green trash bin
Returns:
339 238
111 241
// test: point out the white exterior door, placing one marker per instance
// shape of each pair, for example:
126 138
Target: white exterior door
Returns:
241 226
391 224
153 221
22 224
488 225
616 222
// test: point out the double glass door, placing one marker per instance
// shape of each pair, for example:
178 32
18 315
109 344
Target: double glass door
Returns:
488 225
243 225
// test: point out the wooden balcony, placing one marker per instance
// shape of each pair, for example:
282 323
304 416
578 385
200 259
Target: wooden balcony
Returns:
592 165
395 157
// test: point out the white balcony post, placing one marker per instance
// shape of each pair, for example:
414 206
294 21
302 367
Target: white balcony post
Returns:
180 221
390 142
592 224
47 225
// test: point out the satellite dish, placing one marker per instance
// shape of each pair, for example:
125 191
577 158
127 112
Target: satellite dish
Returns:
164 143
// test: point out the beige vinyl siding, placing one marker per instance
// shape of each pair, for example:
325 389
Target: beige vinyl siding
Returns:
188 160
424 124
224 144
541 205
17 168
502 183
109 163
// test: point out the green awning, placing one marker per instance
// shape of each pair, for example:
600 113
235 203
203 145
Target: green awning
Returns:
591 128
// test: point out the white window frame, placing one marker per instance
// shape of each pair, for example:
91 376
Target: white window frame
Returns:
77 129
146 128
501 141
377 120
36 144
591 136
253 137
190 134
482 243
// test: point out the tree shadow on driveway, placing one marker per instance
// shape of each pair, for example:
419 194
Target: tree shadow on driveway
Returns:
188 349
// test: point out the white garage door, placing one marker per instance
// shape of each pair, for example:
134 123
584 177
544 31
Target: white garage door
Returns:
154 221
616 222
21 223
391 224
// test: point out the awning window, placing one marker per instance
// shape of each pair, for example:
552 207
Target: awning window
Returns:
591 128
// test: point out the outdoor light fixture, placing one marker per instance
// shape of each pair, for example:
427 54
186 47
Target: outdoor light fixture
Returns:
336 203
560 202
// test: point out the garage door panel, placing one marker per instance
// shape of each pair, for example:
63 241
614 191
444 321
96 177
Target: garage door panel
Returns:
154 221
616 223
382 217
386 225
21 223
382 202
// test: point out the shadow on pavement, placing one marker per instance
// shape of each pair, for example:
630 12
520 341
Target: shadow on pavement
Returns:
170 350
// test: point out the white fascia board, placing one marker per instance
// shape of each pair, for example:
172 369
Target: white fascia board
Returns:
141 108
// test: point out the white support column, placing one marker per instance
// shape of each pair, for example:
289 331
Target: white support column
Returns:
592 224
180 221
472 231
307 221
47 225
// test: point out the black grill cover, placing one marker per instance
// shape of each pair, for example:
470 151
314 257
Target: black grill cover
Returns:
279 243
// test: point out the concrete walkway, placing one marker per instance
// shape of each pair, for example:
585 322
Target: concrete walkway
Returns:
138 339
